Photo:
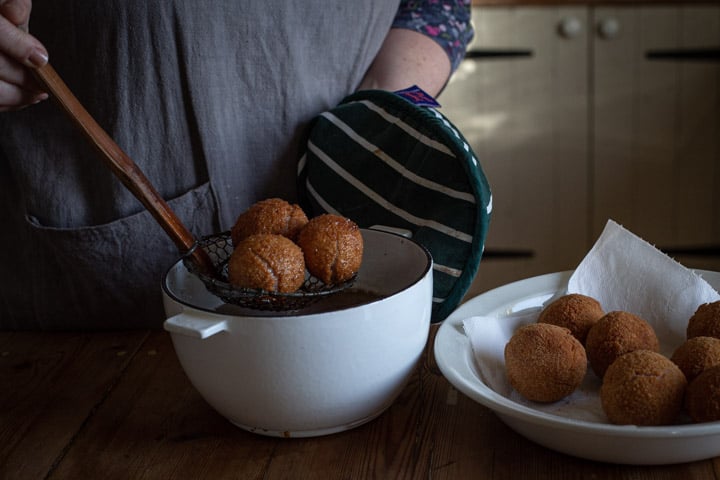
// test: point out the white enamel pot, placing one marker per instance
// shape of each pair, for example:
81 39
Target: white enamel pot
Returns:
313 372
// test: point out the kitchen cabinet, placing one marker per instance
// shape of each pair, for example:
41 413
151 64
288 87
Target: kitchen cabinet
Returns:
580 114
656 125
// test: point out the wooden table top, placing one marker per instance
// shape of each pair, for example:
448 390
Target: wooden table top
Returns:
118 405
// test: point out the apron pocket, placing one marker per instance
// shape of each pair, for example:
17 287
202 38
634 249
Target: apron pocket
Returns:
112 270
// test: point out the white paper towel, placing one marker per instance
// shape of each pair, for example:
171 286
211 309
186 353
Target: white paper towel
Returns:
622 272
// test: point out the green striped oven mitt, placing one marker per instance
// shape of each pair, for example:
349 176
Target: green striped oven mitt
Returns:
392 159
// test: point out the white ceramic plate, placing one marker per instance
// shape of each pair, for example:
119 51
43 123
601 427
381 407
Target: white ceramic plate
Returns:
624 444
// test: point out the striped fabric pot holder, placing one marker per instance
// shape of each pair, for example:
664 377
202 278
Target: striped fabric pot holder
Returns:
379 159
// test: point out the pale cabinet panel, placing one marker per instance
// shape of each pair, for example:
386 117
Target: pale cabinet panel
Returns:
521 100
656 128
581 114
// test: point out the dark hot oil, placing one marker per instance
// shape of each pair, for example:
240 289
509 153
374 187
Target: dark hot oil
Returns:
352 297
343 299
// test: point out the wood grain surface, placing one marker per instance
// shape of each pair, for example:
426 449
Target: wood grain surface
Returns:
118 406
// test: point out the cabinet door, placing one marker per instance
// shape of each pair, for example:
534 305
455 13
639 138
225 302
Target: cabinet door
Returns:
656 122
520 98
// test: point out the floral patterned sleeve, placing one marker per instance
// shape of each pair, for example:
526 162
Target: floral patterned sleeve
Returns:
445 21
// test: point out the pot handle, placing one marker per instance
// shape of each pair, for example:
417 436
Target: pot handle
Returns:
197 324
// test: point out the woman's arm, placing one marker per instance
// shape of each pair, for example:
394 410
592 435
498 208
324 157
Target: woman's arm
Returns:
425 45
18 50
408 58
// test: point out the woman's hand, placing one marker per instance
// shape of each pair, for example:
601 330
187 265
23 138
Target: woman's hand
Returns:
18 51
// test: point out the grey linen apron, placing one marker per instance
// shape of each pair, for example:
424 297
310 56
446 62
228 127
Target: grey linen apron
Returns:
211 99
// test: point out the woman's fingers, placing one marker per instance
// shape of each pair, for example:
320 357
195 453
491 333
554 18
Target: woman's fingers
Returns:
16 11
13 97
20 45
18 50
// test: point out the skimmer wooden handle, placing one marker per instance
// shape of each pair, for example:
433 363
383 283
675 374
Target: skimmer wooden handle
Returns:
122 166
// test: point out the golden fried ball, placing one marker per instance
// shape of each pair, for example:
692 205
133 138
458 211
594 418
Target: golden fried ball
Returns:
615 334
702 399
705 322
697 354
643 388
544 362
268 262
574 311
333 247
273 215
